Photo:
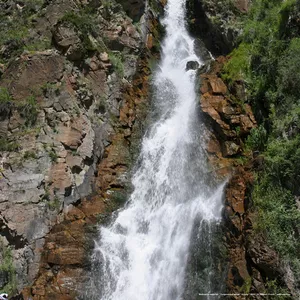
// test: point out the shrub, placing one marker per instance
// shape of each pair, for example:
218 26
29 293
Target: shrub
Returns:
4 95
278 216
119 197
9 146
117 63
29 111
288 69
7 266
257 139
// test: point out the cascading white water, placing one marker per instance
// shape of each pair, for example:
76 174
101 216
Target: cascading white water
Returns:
143 254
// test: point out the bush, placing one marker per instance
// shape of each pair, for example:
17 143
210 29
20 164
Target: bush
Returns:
278 216
9 146
257 139
288 69
29 111
117 63
7 267
268 60
4 95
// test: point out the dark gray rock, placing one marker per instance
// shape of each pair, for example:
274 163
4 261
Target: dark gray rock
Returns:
192 65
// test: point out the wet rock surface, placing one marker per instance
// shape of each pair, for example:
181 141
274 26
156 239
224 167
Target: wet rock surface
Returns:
192 65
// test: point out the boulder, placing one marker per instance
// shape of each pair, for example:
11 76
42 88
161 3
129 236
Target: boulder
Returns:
265 258
192 65
231 149
67 39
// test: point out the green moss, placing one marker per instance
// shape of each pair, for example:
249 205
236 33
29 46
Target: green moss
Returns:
245 288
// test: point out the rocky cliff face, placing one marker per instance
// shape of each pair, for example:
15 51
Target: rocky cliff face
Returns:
69 125
252 264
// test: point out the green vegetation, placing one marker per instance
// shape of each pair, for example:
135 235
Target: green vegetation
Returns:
4 95
15 26
117 63
39 45
119 197
245 288
84 22
268 60
53 155
30 155
6 145
54 204
257 139
7 268
29 110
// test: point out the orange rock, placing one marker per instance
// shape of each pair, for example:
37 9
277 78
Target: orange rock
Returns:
217 85
61 176
149 41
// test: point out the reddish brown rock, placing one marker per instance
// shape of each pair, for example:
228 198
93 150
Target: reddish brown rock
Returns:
149 42
72 133
217 85
235 209
32 71
60 176
231 149
231 122
242 5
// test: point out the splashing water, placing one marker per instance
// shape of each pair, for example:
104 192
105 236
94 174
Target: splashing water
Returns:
143 254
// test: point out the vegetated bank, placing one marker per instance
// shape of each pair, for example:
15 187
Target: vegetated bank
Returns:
267 61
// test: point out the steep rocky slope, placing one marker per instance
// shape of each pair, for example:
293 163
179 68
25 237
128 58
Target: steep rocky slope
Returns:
73 81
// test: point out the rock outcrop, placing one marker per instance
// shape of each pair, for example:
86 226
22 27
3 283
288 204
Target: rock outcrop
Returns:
229 121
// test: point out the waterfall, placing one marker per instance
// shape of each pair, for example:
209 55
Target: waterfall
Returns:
143 253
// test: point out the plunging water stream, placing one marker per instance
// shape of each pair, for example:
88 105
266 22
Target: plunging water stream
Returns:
143 253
